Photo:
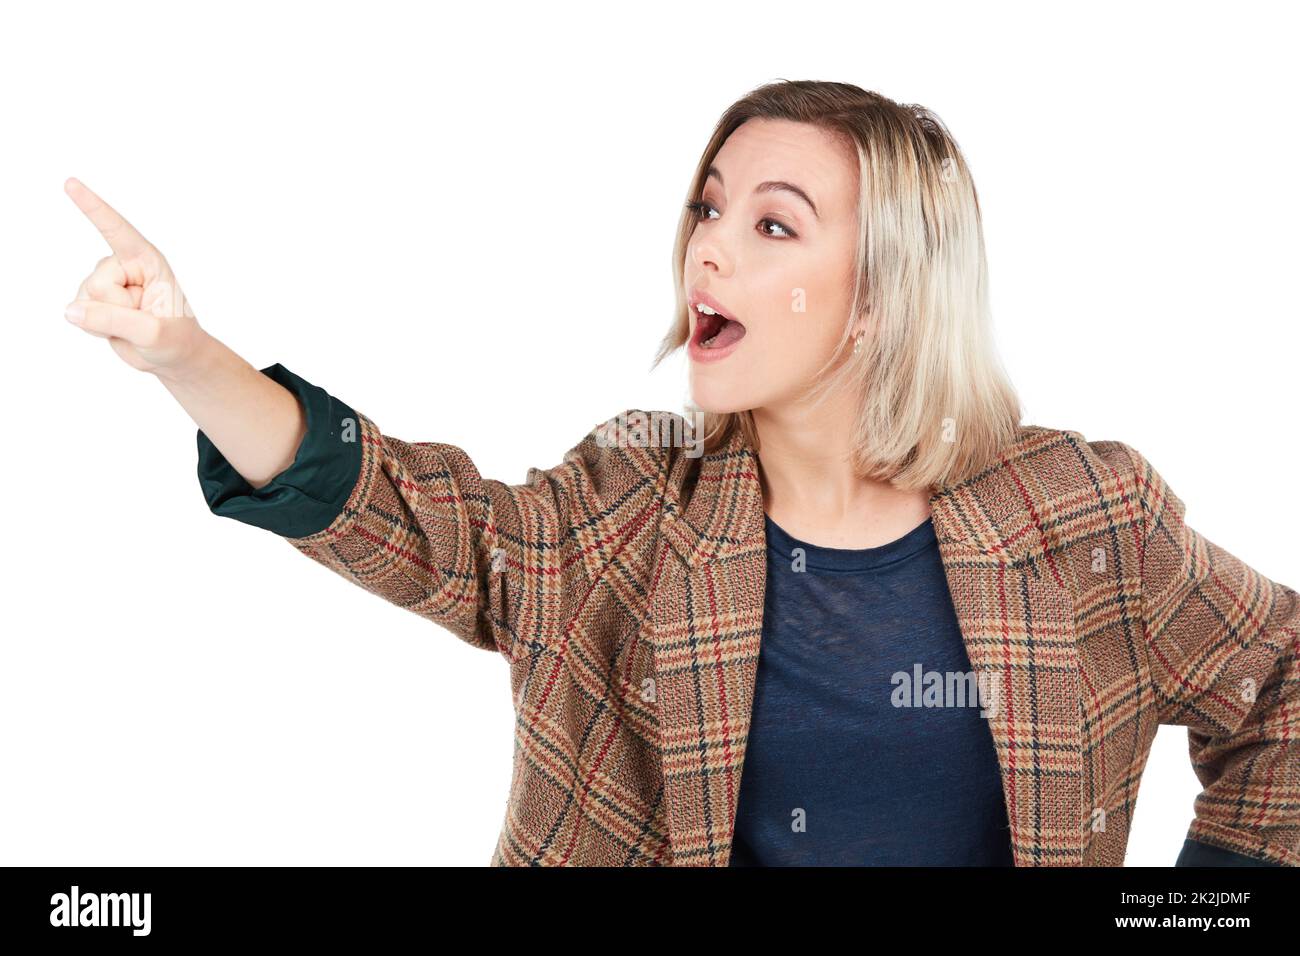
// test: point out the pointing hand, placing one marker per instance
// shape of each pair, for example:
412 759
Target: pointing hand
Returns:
132 297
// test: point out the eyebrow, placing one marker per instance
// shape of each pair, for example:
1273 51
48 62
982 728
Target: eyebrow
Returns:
771 185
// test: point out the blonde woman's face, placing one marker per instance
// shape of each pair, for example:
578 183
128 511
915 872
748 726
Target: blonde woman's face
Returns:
774 247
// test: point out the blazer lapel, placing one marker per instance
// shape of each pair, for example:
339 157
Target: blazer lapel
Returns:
707 620
1017 621
1014 611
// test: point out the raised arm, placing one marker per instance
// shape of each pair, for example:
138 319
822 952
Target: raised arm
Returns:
510 568
133 300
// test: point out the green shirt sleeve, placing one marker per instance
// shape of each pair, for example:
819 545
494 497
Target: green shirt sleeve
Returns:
308 495
1196 853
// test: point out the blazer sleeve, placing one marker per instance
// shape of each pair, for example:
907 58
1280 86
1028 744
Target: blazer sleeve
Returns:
504 567
1223 644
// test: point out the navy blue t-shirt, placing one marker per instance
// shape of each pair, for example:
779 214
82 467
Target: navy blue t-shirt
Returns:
845 764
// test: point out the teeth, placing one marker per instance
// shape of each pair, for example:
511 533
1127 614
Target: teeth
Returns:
705 309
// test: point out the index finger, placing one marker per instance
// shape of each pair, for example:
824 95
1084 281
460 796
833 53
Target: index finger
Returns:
122 237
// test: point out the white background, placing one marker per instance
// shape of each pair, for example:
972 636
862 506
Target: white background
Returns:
461 224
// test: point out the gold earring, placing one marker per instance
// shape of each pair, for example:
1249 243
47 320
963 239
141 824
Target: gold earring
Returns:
857 343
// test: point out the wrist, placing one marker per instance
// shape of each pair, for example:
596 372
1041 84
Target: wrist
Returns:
201 361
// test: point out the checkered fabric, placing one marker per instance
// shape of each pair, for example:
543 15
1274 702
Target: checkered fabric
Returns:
625 586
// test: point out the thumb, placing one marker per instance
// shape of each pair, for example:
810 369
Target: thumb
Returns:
117 321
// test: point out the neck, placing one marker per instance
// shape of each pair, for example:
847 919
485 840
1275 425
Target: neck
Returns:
810 488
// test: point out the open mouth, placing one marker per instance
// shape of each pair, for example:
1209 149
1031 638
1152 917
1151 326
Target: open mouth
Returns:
713 330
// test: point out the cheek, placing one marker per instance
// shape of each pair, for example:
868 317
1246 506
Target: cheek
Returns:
784 357
805 338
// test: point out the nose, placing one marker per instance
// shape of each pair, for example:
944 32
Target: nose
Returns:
708 255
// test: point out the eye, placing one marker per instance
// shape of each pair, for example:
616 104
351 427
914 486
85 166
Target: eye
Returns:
788 233
700 208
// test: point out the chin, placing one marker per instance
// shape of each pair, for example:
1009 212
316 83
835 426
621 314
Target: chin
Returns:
720 398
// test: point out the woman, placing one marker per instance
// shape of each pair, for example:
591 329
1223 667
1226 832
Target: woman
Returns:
970 629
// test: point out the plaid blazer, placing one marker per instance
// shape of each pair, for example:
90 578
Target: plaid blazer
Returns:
625 587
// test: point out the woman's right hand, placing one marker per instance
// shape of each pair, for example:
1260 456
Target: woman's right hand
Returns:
131 297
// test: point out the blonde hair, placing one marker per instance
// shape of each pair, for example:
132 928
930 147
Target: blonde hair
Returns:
937 403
